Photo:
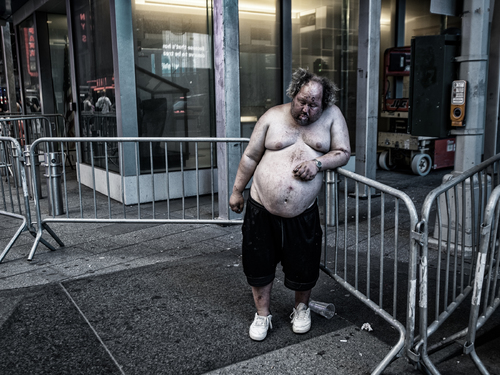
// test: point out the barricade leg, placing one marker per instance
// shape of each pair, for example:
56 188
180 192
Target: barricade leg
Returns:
21 229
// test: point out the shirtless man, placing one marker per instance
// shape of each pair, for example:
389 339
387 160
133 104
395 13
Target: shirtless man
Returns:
289 146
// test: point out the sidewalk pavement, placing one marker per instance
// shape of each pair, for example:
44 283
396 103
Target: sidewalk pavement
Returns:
172 299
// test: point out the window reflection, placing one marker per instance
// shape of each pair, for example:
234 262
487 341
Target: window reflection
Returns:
420 22
29 66
95 75
174 77
260 72
325 40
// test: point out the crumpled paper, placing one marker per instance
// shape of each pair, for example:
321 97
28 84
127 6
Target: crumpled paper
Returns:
366 327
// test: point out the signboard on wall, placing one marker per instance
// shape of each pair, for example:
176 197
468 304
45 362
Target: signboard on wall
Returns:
185 51
447 7
29 42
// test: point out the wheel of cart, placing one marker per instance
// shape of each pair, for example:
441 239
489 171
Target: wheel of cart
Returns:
384 161
421 164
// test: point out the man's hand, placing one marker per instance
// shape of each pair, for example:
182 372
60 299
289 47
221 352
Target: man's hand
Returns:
236 202
306 171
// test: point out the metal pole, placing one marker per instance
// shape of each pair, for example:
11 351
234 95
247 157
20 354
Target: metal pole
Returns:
227 95
491 139
473 69
368 83
53 169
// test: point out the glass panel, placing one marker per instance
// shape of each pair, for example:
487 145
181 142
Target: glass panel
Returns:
419 21
58 42
174 77
325 40
4 99
94 73
260 72
29 66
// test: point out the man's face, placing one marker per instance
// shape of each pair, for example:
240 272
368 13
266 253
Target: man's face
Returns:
306 106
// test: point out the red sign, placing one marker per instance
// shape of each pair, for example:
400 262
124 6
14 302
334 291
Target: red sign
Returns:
30 45
83 26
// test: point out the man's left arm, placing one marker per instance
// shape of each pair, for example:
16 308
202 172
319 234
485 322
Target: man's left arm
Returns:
340 149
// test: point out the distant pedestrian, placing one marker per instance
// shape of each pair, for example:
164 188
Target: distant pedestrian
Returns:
103 103
88 106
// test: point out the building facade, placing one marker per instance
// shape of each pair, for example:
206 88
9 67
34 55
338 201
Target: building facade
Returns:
204 68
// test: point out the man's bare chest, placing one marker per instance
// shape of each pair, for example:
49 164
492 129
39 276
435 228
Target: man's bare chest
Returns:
316 137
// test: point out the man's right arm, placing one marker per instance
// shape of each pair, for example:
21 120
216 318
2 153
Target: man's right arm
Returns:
249 161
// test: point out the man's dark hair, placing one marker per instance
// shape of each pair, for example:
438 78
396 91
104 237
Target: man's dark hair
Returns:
303 76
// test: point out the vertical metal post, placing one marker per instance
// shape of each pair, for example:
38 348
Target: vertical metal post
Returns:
53 173
469 139
286 45
367 92
331 193
227 95
124 69
72 70
492 136
473 69
32 167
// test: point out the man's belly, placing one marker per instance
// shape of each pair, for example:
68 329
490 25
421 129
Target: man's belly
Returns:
277 189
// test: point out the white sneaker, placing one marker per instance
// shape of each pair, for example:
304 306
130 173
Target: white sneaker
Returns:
259 327
301 319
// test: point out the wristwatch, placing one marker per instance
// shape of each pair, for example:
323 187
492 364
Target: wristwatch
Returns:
318 164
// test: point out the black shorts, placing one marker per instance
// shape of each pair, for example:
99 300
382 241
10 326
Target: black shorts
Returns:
295 242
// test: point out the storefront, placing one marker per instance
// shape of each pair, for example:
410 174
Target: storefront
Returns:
146 68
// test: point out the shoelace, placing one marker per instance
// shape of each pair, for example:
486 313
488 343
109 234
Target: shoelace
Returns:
298 314
262 320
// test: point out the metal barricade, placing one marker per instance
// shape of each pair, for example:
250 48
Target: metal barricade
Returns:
103 202
26 129
351 254
15 196
455 210
15 202
486 293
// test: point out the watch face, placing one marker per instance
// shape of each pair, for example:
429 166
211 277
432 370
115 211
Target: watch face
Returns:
318 164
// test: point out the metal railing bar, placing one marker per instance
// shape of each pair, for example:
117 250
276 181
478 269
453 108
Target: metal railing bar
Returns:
79 179
152 177
183 181
368 252
137 177
396 239
93 177
65 185
382 247
168 179
106 163
122 178
345 229
457 244
197 174
356 254
212 178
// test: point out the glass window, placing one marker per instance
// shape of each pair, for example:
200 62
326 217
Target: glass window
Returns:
325 40
4 100
94 71
174 75
29 66
260 60
420 22
58 40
